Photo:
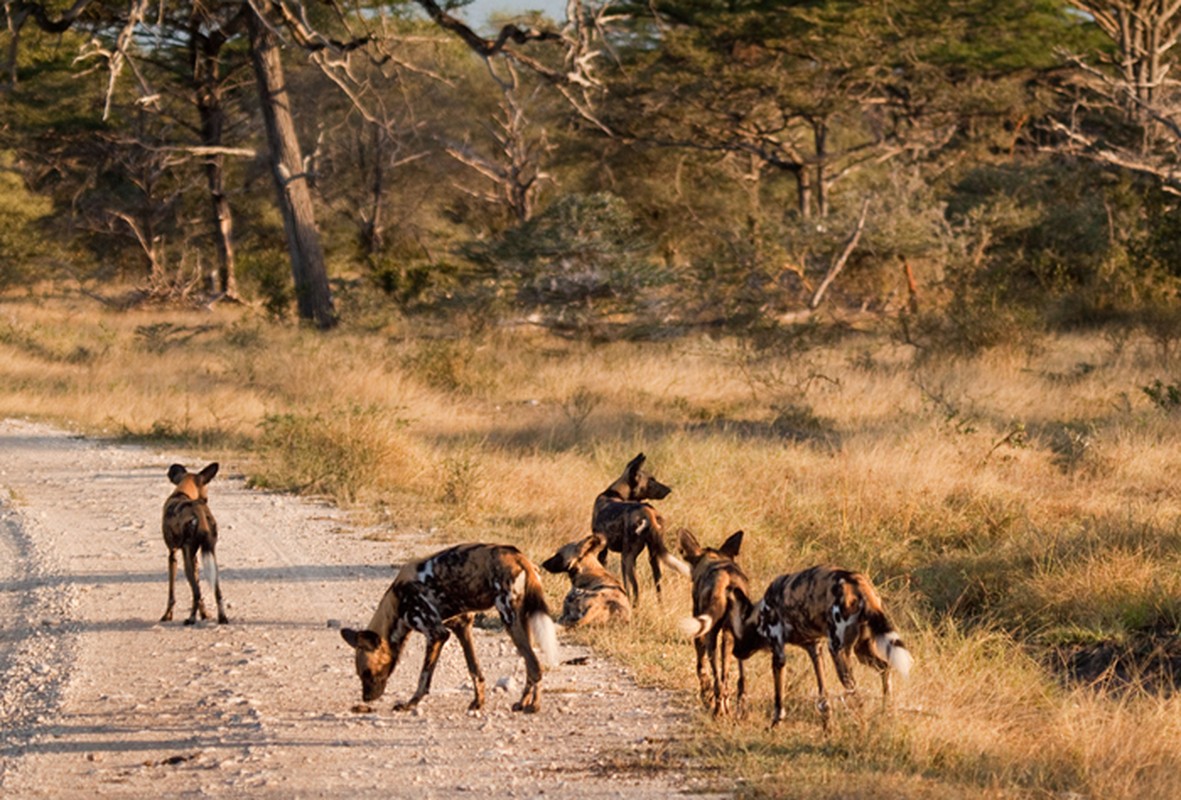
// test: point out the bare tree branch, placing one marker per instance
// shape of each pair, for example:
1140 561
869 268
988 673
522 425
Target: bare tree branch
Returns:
842 259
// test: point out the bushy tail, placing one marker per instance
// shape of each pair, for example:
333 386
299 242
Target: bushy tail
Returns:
891 648
696 626
889 644
208 562
545 638
541 624
651 528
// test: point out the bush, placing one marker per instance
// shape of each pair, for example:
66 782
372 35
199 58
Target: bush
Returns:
344 453
578 262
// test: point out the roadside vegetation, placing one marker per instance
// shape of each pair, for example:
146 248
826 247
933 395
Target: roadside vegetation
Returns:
1017 507
894 285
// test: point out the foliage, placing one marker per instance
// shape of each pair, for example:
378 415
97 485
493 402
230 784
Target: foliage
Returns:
579 261
1165 396
24 251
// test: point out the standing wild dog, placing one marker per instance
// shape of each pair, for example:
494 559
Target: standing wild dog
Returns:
439 595
596 596
189 527
824 604
721 602
629 525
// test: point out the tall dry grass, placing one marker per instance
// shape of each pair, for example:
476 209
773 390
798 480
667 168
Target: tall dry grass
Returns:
1010 507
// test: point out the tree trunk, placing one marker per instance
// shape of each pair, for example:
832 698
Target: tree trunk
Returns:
312 293
820 138
204 54
374 233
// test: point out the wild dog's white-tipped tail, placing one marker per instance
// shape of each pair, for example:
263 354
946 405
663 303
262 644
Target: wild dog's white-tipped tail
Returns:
209 564
695 626
675 563
894 651
545 638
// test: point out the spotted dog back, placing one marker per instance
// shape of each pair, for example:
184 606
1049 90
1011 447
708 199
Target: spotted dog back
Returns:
439 595
721 601
629 524
824 604
189 527
596 596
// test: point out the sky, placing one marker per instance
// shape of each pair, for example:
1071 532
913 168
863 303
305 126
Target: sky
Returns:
479 10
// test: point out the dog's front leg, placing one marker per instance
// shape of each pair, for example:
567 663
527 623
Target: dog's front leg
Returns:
463 631
435 638
778 665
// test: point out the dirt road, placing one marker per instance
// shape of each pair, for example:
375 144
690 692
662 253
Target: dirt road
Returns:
98 698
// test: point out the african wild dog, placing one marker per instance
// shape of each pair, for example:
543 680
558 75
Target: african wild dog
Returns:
824 604
596 596
189 526
721 601
629 525
439 595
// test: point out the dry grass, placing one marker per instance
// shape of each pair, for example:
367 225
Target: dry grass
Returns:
1004 505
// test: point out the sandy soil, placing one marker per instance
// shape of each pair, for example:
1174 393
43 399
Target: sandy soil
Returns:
98 698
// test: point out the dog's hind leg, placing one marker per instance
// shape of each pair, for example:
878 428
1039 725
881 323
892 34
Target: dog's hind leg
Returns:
462 627
627 568
171 586
866 654
214 575
518 631
654 562
190 561
703 678
720 701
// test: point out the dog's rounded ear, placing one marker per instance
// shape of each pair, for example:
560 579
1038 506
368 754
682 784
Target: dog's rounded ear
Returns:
689 547
176 472
361 640
594 543
209 473
732 545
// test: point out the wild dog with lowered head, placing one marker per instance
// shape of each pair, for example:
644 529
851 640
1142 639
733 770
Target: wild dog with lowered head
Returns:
189 526
721 601
596 596
629 524
824 604
439 595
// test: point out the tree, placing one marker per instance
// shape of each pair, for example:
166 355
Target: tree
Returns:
1128 82
312 293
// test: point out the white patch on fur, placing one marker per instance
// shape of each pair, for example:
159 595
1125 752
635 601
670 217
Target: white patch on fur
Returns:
841 624
426 571
891 649
518 587
643 526
694 627
545 638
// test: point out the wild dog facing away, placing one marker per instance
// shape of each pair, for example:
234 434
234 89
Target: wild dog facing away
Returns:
439 595
824 603
721 602
629 524
189 527
596 596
